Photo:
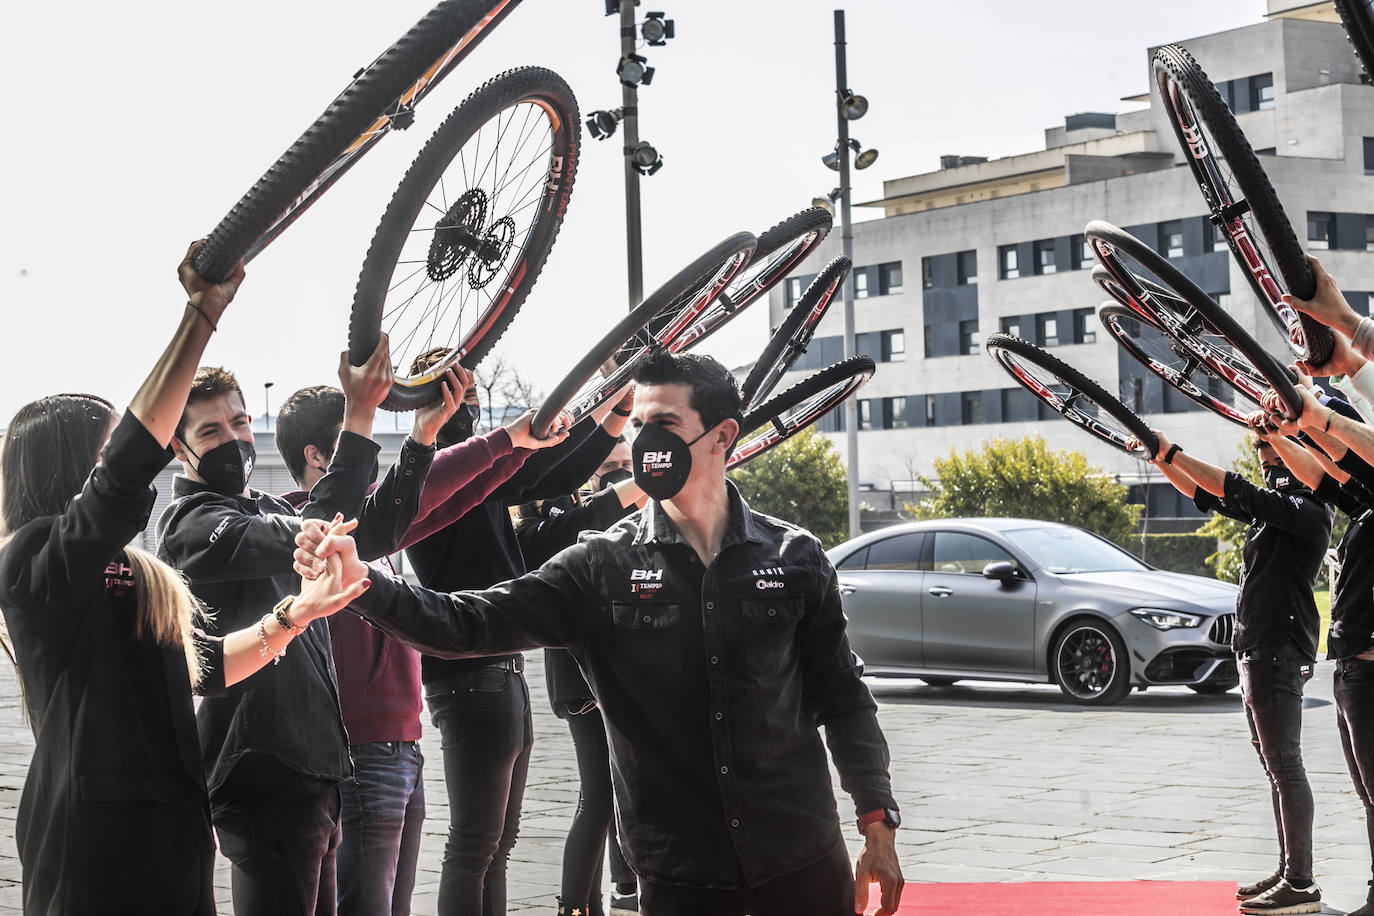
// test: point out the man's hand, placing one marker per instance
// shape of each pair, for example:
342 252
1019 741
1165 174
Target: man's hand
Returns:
342 578
1343 361
521 437
1311 414
878 862
429 420
210 298
1133 444
1327 304
365 387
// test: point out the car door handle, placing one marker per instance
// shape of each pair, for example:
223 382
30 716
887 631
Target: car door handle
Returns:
847 589
940 591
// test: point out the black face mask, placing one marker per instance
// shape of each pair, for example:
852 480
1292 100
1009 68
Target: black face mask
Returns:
611 478
1281 479
460 426
663 460
226 467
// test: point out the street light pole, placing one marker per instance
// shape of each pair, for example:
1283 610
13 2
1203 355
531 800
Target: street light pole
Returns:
634 246
266 405
851 409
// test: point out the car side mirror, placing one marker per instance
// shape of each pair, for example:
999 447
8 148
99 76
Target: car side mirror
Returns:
1002 571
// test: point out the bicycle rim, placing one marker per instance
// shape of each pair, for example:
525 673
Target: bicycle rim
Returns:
794 334
782 417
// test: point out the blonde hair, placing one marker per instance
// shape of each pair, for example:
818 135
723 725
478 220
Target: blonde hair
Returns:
167 610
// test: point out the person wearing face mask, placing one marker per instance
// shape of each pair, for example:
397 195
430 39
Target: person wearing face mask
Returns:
713 640
274 748
481 706
1275 640
544 529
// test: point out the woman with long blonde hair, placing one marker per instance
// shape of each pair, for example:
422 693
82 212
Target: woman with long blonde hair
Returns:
114 817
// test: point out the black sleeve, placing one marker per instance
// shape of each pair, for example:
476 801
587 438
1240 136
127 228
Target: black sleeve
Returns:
58 564
387 512
575 469
1333 493
211 538
1297 513
1208 502
1358 469
539 463
542 538
544 608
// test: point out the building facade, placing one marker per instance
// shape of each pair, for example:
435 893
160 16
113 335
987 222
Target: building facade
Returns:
982 246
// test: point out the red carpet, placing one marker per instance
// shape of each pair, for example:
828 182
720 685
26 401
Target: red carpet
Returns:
1068 898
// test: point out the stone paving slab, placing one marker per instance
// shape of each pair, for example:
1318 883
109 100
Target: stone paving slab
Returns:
999 783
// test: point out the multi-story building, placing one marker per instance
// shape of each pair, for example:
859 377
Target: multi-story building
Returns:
981 246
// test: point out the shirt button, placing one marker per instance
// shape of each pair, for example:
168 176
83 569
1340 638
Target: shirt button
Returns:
772 612
408 473
719 716
411 459
398 502
734 822
724 770
647 618
710 605
715 659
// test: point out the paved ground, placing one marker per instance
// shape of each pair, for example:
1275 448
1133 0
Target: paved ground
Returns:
997 783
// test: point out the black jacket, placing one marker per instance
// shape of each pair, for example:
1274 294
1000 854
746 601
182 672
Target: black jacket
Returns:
236 552
480 549
114 817
1352 593
1283 551
539 540
712 680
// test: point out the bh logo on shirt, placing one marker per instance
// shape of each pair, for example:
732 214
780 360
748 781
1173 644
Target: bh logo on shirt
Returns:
645 582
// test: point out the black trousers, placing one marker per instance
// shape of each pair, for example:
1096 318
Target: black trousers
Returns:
1272 686
593 825
825 888
1354 692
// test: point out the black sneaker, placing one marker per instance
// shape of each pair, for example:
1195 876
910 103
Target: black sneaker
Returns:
624 904
1246 891
1283 898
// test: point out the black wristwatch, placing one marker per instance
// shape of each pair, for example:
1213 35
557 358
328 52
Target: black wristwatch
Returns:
889 816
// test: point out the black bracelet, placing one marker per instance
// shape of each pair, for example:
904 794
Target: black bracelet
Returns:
1169 455
620 413
1329 414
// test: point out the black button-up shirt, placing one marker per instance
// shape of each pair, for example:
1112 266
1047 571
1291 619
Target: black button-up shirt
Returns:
712 679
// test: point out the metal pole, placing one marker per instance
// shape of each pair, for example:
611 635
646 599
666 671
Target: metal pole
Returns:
634 248
851 410
266 405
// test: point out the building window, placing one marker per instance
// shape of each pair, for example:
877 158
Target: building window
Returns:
1007 267
1369 155
930 410
968 267
970 341
1262 92
971 407
794 291
1226 89
927 274
1044 256
861 283
928 332
1321 230
1084 326
1080 253
894 413
1012 326
1369 233
866 414
1047 326
890 278
894 346
1171 238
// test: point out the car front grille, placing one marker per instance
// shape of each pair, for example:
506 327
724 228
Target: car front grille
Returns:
1223 628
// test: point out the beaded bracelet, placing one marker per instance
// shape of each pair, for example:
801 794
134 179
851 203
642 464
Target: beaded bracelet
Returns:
266 651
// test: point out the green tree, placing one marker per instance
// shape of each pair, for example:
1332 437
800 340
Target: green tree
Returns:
1022 478
801 481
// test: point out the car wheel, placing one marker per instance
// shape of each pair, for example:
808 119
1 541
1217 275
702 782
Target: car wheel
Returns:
1213 688
1090 663
941 681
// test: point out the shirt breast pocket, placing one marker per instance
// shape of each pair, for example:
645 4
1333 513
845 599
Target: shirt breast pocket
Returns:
648 640
770 634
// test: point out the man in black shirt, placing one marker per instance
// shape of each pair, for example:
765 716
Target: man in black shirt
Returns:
714 641
1275 641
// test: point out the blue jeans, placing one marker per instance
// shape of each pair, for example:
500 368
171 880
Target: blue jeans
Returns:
483 716
383 813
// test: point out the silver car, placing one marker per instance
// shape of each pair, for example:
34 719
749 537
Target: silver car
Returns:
1018 600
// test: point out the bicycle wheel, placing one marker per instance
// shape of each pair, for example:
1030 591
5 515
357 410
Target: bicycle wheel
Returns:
668 310
1358 18
1190 316
1239 194
1109 285
382 96
781 248
782 417
1172 362
467 231
1074 396
790 340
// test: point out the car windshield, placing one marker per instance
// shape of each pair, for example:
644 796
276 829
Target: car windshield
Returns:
1069 550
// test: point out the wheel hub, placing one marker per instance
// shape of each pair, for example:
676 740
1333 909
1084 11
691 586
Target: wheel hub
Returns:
457 234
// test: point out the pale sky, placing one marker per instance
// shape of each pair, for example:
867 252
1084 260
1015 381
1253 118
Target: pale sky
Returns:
134 127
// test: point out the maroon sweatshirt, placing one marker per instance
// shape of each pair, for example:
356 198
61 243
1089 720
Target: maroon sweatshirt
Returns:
379 678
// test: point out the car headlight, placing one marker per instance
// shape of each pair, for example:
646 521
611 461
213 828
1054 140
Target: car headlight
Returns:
1162 619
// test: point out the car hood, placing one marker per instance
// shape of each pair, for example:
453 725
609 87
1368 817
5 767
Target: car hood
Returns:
1155 587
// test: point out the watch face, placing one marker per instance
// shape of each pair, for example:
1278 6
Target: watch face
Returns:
892 817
